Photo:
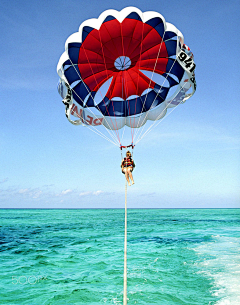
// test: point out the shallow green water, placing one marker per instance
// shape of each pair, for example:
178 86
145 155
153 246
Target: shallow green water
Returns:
76 256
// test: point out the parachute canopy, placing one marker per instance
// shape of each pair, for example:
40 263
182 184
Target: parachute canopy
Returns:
124 68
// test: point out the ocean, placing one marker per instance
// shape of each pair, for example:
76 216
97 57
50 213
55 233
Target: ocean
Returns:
175 256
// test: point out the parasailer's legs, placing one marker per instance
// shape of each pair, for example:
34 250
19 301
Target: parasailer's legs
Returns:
128 174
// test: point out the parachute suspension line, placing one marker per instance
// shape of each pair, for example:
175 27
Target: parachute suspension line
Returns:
98 132
104 58
166 106
154 123
137 85
116 130
145 119
87 90
124 87
132 128
129 114
103 136
125 252
133 136
159 51
117 135
123 132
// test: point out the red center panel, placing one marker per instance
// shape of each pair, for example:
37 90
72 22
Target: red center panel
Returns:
132 38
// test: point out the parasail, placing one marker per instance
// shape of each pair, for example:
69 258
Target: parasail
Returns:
124 69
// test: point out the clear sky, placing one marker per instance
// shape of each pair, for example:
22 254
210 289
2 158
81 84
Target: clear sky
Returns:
191 159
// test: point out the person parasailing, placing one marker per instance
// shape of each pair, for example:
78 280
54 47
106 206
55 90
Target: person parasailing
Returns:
127 167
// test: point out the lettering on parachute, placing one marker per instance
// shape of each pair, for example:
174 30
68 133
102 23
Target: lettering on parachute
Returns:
88 120
188 64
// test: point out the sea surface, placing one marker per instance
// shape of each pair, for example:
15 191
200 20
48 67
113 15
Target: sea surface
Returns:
175 256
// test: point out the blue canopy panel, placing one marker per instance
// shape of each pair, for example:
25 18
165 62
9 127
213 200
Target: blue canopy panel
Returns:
90 100
157 24
108 18
172 81
169 35
134 106
80 92
174 68
86 30
153 99
73 52
171 46
134 16
66 64
72 74
161 91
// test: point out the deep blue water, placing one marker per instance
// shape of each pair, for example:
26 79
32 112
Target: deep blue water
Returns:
175 256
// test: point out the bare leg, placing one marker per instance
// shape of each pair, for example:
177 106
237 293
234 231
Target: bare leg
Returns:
127 176
130 175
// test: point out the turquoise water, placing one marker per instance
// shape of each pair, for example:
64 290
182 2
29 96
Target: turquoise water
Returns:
76 256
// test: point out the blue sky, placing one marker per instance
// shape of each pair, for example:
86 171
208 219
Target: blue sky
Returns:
191 159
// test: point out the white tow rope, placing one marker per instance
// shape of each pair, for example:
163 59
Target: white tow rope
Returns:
125 252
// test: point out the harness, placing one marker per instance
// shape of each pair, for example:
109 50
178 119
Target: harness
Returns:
127 162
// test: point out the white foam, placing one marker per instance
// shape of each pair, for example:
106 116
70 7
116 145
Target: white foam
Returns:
220 260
